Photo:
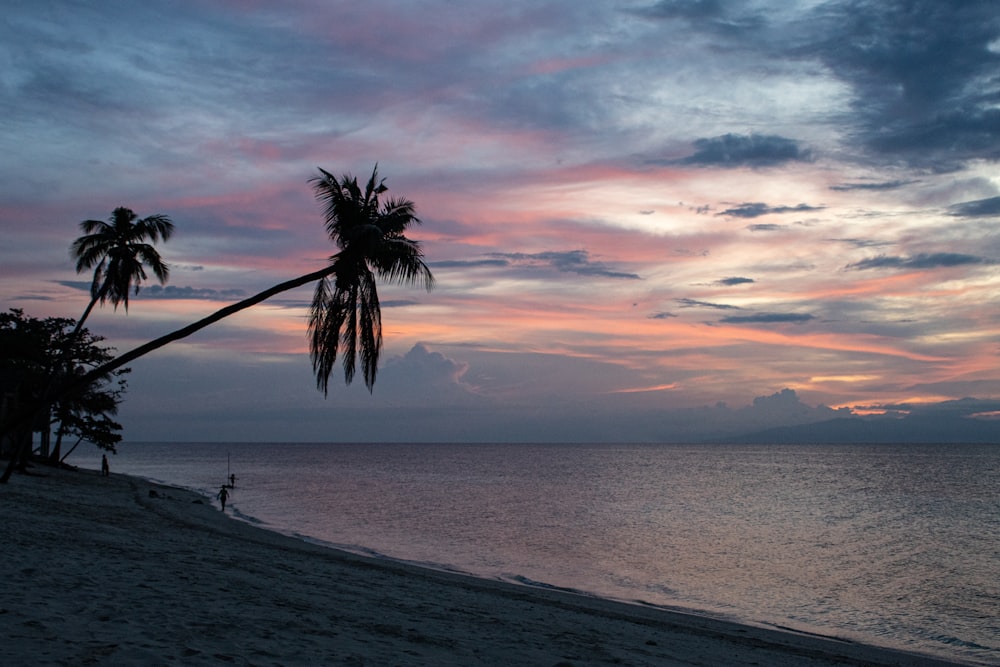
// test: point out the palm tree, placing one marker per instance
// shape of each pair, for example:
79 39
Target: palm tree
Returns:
345 312
118 251
345 307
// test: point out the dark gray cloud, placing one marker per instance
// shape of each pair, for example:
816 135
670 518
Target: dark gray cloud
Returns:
735 280
746 150
766 227
863 243
922 73
977 208
399 303
920 261
964 407
692 303
924 76
688 9
757 209
171 292
468 264
75 284
767 318
887 185
571 261
661 316
717 16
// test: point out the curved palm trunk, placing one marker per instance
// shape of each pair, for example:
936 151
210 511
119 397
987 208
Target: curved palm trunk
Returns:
86 313
25 416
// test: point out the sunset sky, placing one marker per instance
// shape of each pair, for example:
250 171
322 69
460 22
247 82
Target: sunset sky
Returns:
647 220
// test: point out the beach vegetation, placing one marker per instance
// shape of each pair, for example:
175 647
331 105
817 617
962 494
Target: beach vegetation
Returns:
34 353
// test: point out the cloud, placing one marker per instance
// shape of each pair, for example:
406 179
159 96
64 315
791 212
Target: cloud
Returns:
75 284
692 303
765 227
784 405
964 407
757 209
977 208
468 263
753 150
919 261
423 367
572 261
887 185
715 16
767 318
171 292
695 9
662 316
923 75
862 243
728 282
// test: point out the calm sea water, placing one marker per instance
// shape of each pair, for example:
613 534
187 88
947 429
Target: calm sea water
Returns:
894 545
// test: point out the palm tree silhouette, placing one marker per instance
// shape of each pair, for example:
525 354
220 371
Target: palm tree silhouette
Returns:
118 251
345 308
369 234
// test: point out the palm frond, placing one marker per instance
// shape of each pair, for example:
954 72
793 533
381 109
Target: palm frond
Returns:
155 228
371 329
401 261
326 318
147 255
349 334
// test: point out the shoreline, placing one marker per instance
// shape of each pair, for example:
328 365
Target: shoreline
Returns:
120 570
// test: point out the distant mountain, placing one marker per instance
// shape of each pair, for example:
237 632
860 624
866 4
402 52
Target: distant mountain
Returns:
922 429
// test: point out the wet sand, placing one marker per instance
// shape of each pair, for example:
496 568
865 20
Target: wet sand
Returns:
120 571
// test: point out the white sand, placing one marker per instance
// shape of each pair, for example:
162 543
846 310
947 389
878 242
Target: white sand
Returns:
98 572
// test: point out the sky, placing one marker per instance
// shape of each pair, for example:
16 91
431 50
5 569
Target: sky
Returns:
647 221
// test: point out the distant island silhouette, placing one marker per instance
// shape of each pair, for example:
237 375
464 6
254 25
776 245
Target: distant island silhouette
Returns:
877 429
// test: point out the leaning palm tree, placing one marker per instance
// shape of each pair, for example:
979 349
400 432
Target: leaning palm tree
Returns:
345 310
118 251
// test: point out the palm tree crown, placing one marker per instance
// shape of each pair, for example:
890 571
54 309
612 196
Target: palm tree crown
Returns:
118 251
345 315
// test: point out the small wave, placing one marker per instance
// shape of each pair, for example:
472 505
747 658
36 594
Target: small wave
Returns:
955 641
246 517
525 581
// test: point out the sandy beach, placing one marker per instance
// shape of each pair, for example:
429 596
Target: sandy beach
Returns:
119 571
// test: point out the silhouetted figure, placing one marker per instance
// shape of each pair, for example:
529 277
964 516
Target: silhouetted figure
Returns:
223 495
105 468
232 481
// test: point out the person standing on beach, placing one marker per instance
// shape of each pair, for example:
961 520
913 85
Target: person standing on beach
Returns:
223 495
105 468
232 481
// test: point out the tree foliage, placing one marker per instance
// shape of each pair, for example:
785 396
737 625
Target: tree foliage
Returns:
37 353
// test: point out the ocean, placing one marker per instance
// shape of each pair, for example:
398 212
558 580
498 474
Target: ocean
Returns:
891 545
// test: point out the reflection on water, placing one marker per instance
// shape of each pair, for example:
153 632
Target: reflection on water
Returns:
894 545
